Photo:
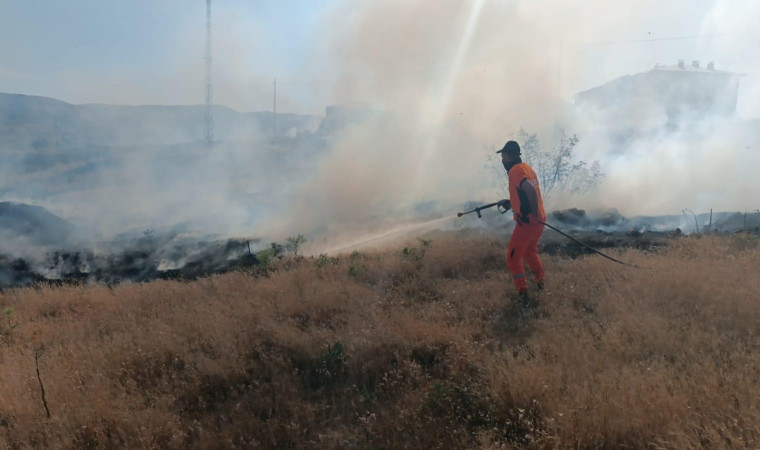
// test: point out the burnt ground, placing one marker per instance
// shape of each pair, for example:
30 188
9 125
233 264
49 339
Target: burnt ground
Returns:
151 259
140 261
555 244
169 257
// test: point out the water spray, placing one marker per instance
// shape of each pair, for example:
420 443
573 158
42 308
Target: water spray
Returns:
380 237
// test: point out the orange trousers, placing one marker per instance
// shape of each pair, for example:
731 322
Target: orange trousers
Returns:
524 246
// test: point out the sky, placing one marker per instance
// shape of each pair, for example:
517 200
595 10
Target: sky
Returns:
152 51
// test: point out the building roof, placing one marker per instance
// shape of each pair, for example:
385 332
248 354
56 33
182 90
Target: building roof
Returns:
700 69
628 82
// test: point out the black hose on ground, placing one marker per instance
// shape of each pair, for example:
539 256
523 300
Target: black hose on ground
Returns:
491 205
587 246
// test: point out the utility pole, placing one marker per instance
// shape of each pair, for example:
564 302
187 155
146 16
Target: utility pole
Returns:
208 122
559 67
274 112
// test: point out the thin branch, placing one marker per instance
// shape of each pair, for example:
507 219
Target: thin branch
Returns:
42 388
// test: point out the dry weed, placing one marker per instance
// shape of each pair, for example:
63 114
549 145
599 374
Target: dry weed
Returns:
415 348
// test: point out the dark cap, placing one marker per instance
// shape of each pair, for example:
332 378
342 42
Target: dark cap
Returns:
511 148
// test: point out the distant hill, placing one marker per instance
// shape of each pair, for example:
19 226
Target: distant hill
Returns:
39 123
49 147
34 224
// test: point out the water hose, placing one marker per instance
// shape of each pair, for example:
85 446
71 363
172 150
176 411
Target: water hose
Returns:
587 246
499 204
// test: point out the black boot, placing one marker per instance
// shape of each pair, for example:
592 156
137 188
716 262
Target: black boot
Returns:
525 300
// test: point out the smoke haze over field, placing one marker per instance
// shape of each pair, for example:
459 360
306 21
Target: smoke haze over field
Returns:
461 75
447 81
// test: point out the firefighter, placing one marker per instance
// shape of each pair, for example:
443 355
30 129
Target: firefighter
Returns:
525 200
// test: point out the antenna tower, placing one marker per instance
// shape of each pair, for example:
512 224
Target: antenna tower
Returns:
274 112
208 117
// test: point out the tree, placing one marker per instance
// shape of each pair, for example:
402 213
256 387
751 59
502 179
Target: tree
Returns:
556 169
294 242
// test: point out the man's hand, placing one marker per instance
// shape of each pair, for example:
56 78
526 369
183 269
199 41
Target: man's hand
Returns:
522 218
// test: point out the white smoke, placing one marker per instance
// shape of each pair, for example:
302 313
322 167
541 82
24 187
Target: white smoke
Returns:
454 84
450 78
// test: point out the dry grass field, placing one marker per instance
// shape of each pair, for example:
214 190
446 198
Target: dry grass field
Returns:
419 347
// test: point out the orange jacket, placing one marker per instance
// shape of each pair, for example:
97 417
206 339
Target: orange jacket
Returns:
517 174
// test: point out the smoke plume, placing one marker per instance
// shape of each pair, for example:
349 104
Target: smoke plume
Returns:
441 84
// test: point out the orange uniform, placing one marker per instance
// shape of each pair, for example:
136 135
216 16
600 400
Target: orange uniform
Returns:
517 174
524 242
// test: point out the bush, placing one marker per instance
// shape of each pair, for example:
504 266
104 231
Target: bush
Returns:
556 169
293 243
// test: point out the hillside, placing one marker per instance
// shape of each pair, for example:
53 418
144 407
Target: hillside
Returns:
49 147
34 224
118 159
420 347
45 123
